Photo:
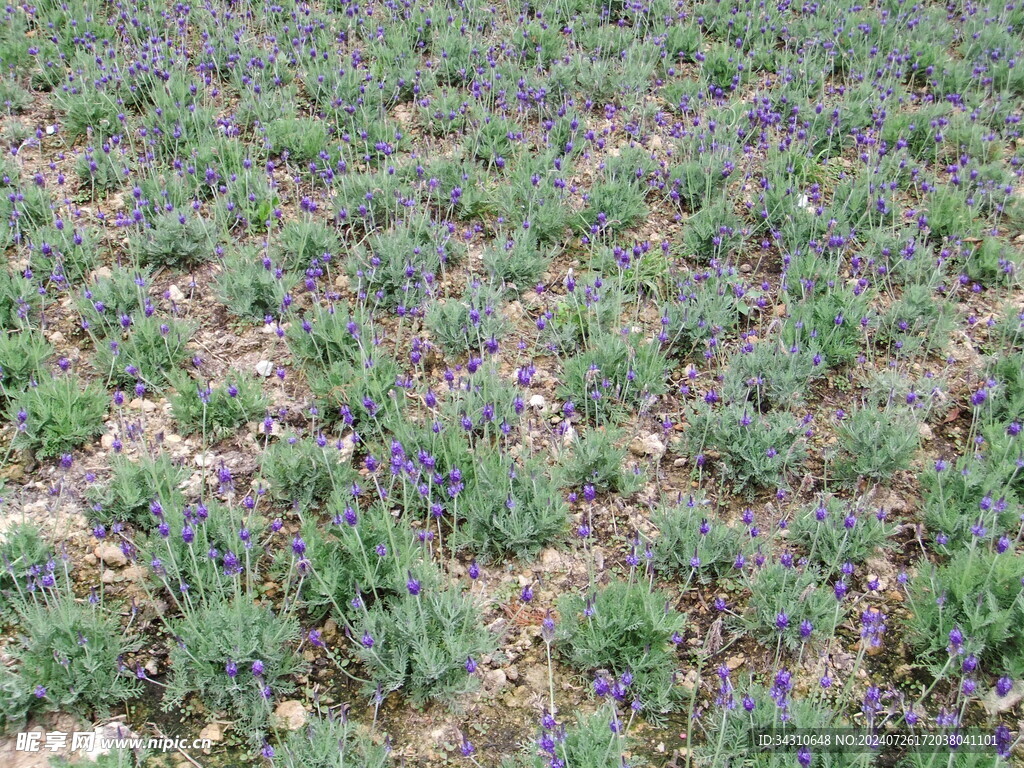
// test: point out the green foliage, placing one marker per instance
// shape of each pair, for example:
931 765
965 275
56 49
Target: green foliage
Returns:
597 740
782 599
624 627
150 351
57 415
301 470
22 356
249 203
695 183
949 215
234 632
833 533
361 394
68 251
178 240
582 316
712 232
470 323
768 376
331 742
21 548
397 268
970 493
302 138
133 485
992 262
75 651
19 300
1006 399
755 450
109 299
216 411
612 206
495 138
346 557
329 335
761 711
692 541
614 376
14 98
300 242
977 592
511 508
919 321
518 261
251 287
598 458
421 643
183 556
34 209
705 306
88 110
876 444
16 700
828 322
100 171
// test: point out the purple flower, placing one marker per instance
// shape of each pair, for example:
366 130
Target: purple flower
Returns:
1004 685
413 585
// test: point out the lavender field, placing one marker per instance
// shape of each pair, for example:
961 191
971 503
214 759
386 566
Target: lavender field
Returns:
583 384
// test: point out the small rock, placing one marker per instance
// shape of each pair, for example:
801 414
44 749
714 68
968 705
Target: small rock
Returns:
746 269
735 662
174 294
495 680
550 558
348 448
213 731
512 673
291 714
111 554
538 402
13 472
204 459
568 436
107 441
172 439
108 576
330 629
135 573
152 668
925 431
996 704
648 446
264 368
536 677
